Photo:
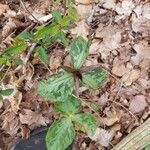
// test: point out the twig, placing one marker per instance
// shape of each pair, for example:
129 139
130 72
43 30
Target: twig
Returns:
25 8
5 74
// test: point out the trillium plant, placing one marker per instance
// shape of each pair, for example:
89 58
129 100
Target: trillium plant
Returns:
63 90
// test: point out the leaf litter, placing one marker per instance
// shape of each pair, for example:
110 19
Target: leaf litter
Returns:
120 42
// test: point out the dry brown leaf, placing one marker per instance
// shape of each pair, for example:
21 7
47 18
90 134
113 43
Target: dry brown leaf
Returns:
84 11
85 1
131 77
32 118
143 52
138 104
103 137
1 104
3 8
81 29
119 68
10 123
112 117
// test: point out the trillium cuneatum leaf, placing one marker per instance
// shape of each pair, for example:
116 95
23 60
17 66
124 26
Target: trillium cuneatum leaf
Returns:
60 135
14 50
57 87
71 106
57 16
6 92
86 123
79 52
42 54
95 79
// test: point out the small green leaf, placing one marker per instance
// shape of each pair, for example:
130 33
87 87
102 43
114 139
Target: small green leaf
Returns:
25 36
6 92
42 54
62 36
60 135
79 52
65 21
50 30
95 78
57 88
86 122
57 16
3 61
14 50
73 14
69 107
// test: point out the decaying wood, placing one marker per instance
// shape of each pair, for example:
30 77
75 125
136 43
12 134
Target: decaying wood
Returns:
137 139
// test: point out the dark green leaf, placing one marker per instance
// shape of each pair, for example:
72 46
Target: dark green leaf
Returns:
79 52
69 107
25 36
95 78
57 87
14 50
6 92
57 16
60 135
42 54
86 122
62 36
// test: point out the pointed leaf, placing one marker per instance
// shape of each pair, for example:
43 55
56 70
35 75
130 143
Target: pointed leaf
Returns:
42 54
25 36
57 16
14 50
79 52
6 92
71 106
60 135
62 36
86 122
50 30
95 78
73 14
57 87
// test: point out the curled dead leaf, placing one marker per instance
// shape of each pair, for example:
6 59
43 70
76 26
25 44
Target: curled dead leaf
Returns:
85 1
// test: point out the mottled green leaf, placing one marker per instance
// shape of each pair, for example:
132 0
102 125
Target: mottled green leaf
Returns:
57 16
14 50
57 87
60 135
79 52
25 36
71 106
6 92
147 147
42 54
95 78
86 122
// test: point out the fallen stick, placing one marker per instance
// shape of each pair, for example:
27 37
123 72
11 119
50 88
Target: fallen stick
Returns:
137 139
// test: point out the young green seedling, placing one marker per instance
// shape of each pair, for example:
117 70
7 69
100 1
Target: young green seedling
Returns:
44 37
62 132
59 86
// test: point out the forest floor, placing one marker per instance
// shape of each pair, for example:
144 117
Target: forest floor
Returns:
120 34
